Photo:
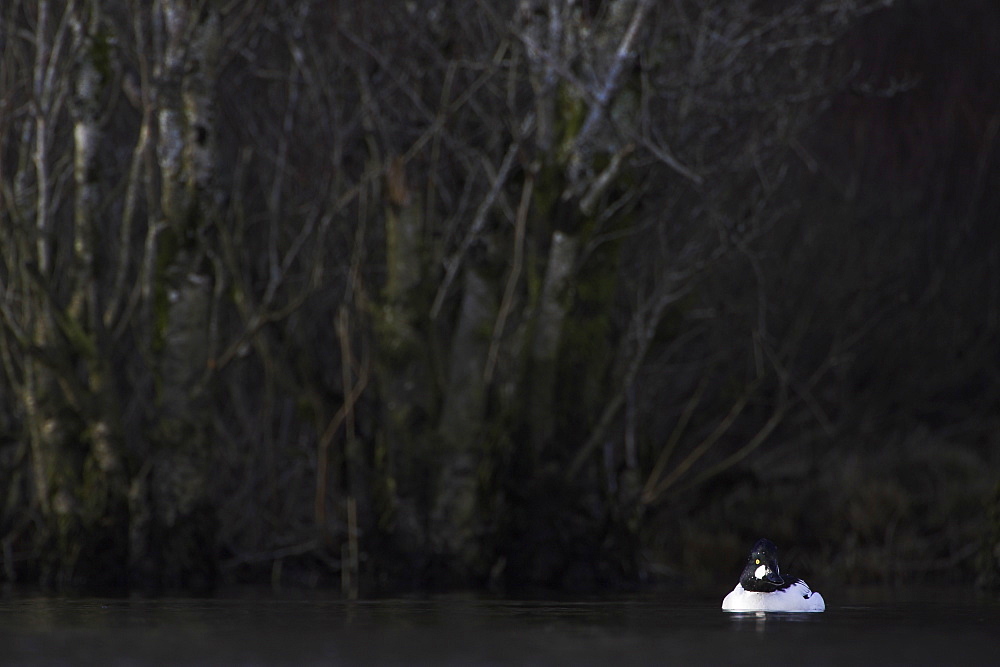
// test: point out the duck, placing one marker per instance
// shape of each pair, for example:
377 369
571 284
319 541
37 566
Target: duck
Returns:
762 587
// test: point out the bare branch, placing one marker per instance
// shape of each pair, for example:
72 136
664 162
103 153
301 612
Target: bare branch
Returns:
515 271
477 222
612 79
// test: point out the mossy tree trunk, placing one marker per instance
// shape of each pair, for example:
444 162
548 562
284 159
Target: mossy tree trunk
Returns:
405 372
173 515
519 368
69 389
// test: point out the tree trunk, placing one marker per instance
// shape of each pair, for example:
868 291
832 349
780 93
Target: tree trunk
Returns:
552 309
69 391
455 517
173 515
405 381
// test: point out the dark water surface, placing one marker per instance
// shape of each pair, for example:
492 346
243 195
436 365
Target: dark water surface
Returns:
926 627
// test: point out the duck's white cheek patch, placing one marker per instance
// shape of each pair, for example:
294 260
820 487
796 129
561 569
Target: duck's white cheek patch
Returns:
760 572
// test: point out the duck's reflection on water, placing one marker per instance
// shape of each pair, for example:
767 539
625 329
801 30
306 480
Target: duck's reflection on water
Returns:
762 621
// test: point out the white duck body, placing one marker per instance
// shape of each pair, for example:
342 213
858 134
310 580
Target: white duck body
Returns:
797 597
762 587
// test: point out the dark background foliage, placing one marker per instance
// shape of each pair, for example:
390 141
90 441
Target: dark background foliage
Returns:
439 297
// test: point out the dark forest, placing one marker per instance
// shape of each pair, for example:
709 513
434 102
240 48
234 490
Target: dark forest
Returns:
521 295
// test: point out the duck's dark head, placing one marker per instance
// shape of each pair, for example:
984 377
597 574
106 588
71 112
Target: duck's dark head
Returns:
762 574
